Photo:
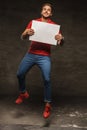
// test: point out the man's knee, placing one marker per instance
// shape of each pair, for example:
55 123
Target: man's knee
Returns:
47 81
20 74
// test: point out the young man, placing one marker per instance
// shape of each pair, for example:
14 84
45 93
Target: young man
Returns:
38 54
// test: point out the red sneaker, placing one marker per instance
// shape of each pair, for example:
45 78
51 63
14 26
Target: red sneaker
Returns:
47 111
21 97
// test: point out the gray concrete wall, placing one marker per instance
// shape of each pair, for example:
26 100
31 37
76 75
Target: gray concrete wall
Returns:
69 62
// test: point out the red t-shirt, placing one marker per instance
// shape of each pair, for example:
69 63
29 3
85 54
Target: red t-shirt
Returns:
38 47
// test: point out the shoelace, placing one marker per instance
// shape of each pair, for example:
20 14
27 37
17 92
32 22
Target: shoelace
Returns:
20 97
47 109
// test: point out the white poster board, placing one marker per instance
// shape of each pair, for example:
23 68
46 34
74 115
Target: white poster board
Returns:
44 32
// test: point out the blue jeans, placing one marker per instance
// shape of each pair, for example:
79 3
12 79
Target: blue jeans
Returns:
44 63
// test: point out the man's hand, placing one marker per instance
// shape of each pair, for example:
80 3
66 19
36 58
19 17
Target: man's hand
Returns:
27 32
59 38
30 32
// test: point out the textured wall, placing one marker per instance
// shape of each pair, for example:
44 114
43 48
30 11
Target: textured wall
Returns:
69 62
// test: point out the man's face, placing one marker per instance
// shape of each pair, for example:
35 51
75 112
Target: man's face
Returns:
46 11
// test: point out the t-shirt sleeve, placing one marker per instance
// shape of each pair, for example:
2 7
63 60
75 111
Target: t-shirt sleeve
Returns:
29 25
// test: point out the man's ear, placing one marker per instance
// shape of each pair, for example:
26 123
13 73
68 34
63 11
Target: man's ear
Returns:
51 14
41 13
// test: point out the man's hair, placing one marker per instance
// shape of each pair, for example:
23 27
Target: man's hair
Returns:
49 4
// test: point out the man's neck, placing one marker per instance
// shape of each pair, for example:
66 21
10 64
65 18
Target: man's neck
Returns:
44 19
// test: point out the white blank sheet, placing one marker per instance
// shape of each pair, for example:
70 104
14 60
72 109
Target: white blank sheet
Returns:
44 32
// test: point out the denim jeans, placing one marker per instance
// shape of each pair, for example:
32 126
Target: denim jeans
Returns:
44 63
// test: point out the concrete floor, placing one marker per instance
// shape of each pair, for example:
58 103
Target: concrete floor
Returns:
68 113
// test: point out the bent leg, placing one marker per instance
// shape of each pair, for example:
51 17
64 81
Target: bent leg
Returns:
25 65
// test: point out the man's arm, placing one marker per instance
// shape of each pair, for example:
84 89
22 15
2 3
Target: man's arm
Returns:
60 39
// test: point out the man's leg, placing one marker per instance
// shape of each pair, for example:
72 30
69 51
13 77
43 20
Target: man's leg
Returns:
44 63
24 67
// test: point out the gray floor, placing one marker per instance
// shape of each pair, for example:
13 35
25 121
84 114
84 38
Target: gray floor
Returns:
68 113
